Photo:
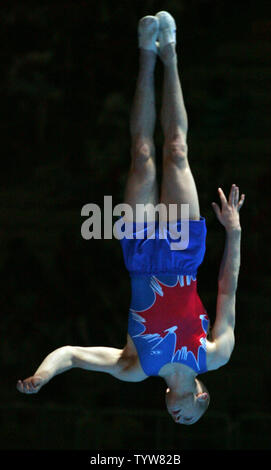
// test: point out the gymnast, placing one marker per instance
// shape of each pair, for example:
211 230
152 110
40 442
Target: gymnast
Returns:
168 326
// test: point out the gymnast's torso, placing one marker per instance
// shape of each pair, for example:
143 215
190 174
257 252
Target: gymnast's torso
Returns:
168 325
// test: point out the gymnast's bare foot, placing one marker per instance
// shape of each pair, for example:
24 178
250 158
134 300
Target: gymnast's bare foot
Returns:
31 384
167 37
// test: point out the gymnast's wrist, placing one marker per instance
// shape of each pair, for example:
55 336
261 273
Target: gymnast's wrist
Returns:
233 229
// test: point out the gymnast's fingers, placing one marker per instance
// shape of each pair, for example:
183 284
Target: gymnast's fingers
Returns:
240 203
236 195
222 197
232 195
216 208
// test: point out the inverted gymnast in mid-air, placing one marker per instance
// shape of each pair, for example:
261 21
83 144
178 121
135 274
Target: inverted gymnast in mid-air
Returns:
168 324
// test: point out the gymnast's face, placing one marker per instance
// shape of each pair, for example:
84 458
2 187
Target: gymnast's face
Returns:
187 408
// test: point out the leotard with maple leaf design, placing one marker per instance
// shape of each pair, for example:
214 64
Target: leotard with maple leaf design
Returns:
168 322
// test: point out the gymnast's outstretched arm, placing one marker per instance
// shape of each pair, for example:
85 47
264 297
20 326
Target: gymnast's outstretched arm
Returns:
103 359
223 330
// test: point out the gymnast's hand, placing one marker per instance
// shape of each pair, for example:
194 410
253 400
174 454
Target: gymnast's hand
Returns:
31 384
228 215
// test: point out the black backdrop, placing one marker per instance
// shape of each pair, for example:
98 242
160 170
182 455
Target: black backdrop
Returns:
67 82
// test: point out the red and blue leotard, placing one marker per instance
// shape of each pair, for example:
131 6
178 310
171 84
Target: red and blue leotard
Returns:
168 322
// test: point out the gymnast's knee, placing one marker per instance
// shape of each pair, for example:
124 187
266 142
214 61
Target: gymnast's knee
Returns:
175 149
142 152
175 154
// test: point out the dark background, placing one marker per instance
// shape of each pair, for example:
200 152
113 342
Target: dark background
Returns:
67 82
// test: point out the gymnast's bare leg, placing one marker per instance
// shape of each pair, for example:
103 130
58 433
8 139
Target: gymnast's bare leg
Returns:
141 185
178 185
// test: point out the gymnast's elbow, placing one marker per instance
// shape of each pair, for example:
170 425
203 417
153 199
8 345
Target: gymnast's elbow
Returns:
226 356
127 370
